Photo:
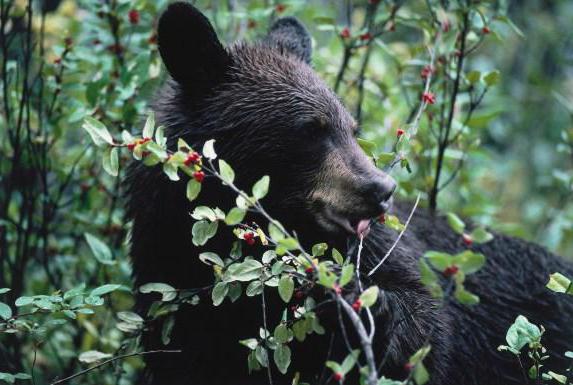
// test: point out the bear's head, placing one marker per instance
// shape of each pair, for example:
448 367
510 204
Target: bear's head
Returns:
271 114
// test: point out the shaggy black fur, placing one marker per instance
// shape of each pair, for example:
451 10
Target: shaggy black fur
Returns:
270 114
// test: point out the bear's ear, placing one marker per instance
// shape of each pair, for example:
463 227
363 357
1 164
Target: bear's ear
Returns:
290 35
190 49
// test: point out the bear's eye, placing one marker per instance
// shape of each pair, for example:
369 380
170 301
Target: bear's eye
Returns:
312 127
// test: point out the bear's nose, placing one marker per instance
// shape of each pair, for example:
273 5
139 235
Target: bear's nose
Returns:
380 190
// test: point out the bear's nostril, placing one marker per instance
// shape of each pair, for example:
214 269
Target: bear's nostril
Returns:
388 190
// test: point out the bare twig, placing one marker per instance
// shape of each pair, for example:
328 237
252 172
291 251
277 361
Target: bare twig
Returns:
397 239
113 359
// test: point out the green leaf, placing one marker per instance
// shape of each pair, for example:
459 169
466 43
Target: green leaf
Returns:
97 131
202 231
465 297
130 317
251 343
269 256
110 161
275 233
4 290
245 271
208 256
5 311
468 261
346 275
456 223
170 169
99 249
492 78
394 223
420 375
367 146
473 77
286 288
193 189
204 212
104 289
149 126
262 356
209 150
560 284
480 235
219 292
281 334
440 261
282 356
92 356
168 292
22 376
7 377
369 296
24 301
319 249
235 216
521 333
226 172
349 362
254 288
338 258
261 188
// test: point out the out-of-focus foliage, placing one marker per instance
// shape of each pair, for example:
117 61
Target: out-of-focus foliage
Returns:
62 238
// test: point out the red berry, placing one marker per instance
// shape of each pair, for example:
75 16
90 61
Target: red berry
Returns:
152 39
426 71
131 146
298 294
485 30
294 308
199 176
382 219
468 240
366 36
192 158
429 97
446 25
408 366
451 270
115 48
309 270
280 8
338 377
145 154
57 60
345 33
249 237
357 305
400 132
133 16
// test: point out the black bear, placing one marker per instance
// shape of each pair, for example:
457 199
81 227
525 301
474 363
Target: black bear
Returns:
271 114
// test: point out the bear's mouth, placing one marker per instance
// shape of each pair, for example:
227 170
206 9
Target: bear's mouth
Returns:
351 224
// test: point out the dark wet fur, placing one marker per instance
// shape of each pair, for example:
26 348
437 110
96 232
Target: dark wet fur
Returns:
256 113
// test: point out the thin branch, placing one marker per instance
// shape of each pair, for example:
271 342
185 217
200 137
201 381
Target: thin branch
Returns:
113 359
397 239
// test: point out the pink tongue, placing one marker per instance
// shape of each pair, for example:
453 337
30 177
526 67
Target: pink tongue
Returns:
362 227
